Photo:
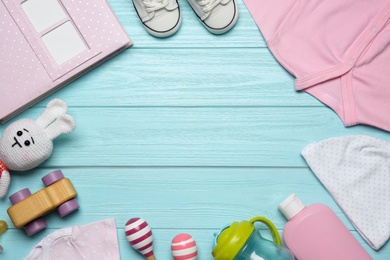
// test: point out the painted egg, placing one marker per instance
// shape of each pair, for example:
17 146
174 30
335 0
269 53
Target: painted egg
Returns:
184 247
139 235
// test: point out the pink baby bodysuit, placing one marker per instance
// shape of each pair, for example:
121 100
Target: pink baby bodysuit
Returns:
339 52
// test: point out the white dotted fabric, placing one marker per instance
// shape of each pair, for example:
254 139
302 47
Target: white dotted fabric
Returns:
97 240
356 172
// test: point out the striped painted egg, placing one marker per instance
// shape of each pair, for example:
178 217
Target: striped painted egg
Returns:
139 235
184 247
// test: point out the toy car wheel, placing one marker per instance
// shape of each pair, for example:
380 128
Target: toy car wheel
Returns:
19 195
68 207
35 226
52 177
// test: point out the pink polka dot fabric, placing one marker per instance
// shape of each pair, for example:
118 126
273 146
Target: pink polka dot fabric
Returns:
337 50
28 70
356 172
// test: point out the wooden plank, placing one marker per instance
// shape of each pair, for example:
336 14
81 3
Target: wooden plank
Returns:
183 77
180 197
195 136
190 132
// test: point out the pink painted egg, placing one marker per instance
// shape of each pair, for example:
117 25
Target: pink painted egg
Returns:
184 247
139 235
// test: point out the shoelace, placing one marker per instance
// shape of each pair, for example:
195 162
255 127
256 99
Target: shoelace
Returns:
154 5
208 5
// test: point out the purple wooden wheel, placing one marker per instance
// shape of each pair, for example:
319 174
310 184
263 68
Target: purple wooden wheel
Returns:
52 177
19 195
35 226
68 207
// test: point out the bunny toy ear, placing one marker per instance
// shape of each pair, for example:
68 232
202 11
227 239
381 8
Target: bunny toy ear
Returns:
53 110
62 125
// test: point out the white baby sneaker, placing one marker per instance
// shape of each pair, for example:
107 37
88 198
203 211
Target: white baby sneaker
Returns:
160 18
218 16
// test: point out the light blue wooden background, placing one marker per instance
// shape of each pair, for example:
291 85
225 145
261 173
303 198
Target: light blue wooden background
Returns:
190 133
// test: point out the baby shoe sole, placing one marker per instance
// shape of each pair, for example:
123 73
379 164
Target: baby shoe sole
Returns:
163 34
224 29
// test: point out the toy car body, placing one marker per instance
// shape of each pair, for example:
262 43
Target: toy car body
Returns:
27 209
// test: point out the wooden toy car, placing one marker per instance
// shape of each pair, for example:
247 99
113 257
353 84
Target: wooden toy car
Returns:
27 210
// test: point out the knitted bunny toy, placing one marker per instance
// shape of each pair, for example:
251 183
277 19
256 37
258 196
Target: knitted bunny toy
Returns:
27 143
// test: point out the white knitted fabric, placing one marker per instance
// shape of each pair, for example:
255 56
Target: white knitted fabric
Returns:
5 179
356 172
27 143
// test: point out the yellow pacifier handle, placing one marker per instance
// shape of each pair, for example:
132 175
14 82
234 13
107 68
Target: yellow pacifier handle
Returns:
271 226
